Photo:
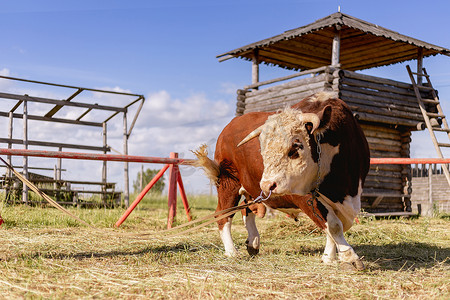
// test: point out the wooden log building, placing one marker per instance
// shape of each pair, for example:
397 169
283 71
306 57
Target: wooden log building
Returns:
327 54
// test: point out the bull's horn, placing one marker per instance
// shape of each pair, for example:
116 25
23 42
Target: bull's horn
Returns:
312 118
252 135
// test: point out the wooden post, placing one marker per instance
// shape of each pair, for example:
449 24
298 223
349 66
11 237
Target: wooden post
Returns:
419 65
183 196
141 180
9 160
59 165
25 146
336 49
172 191
126 187
255 68
430 192
104 167
55 184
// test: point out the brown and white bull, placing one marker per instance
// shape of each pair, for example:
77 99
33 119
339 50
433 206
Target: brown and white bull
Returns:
317 145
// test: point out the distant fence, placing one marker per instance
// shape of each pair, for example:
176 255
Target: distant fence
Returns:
423 170
430 189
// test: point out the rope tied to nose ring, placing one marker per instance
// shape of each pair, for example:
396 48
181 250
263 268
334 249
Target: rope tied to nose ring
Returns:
260 198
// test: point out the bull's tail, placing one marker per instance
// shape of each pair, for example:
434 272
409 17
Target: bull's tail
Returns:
211 167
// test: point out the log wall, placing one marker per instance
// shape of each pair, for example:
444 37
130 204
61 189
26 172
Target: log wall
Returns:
379 100
387 187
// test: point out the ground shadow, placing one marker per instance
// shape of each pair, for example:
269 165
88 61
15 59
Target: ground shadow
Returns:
398 257
181 247
404 256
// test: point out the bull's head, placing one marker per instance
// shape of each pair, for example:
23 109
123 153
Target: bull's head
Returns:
285 139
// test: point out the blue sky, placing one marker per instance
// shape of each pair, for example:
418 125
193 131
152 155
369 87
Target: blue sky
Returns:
166 51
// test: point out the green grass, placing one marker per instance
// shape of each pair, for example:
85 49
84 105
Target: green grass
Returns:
44 254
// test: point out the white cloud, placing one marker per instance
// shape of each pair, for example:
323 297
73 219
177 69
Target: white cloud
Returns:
5 84
229 88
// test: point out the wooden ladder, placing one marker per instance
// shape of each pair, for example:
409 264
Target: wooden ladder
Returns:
432 119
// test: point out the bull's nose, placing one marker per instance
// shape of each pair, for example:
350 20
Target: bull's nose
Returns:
267 186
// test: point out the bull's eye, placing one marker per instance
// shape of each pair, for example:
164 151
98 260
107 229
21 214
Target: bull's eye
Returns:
293 152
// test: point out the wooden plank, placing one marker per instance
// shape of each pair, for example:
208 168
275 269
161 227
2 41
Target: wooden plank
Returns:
372 117
56 145
285 86
385 101
380 128
409 100
375 86
389 214
383 141
57 120
377 201
358 107
56 108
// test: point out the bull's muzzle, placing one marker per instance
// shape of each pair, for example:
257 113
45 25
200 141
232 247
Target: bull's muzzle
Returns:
268 186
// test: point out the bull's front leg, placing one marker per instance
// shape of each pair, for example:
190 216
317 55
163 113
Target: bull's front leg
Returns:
335 234
253 240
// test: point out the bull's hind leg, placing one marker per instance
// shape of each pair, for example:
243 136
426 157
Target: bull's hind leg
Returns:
228 196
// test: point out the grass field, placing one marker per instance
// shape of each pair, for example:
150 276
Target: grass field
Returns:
44 254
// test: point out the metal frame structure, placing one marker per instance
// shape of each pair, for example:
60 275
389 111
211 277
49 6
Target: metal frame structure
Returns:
51 116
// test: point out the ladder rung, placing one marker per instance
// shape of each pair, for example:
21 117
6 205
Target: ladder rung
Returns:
441 129
435 115
443 145
425 87
421 74
432 101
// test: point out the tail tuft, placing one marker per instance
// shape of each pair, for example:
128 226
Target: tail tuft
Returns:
211 168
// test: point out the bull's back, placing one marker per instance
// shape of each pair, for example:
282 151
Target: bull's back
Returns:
246 159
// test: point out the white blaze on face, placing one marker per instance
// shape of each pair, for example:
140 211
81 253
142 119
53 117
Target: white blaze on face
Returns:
288 164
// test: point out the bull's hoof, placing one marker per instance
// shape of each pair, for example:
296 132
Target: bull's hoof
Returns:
252 251
357 265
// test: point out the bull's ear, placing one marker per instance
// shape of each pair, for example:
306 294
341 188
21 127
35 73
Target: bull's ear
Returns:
325 116
320 120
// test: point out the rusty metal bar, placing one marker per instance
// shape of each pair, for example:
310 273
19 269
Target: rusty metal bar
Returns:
407 161
69 86
94 156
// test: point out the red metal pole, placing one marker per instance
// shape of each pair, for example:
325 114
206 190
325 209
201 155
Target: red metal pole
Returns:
172 191
183 197
141 195
93 156
407 161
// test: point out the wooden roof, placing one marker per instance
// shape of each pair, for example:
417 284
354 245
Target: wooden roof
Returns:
363 45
